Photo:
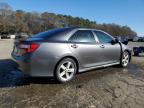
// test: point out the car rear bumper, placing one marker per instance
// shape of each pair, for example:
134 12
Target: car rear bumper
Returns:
34 71
34 67
24 67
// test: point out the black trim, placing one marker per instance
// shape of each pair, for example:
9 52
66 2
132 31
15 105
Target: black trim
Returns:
121 52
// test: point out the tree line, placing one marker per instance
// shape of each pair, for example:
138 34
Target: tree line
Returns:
33 22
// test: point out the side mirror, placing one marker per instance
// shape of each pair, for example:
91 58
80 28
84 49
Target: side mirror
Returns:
115 41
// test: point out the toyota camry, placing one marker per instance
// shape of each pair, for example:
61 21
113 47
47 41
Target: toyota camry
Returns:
63 52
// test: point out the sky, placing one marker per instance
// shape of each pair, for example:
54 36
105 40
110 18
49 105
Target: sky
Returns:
123 12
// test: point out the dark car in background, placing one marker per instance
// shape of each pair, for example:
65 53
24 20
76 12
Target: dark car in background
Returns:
61 53
21 35
141 39
5 35
138 39
123 39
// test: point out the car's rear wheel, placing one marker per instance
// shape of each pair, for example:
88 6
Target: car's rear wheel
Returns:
65 70
125 59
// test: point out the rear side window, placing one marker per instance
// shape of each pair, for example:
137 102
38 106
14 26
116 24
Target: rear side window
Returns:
103 38
84 36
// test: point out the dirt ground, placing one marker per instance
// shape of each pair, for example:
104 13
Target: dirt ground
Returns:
111 87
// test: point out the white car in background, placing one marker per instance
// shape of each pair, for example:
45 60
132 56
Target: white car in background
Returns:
12 36
135 39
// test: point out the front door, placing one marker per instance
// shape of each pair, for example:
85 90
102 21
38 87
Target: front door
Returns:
110 52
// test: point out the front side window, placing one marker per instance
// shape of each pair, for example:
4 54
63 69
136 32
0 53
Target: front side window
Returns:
103 38
85 36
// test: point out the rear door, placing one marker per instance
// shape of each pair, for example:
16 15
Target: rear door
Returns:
83 45
110 53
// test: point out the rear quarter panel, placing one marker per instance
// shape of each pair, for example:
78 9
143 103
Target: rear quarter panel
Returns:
44 60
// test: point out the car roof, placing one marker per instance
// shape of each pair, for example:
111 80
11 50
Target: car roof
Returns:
81 28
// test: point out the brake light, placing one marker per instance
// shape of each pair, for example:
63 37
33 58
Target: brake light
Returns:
29 48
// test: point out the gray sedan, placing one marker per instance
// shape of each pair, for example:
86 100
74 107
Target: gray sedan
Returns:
63 52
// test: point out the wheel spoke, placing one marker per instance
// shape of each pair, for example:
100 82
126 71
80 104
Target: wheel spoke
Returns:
62 73
63 67
71 70
68 65
126 57
67 75
123 60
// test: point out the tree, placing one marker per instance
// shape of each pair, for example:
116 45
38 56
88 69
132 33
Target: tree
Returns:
5 11
34 22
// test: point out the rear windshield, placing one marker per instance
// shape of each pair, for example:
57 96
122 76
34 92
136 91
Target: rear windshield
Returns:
50 33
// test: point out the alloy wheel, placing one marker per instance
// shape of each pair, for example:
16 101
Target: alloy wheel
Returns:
125 59
66 70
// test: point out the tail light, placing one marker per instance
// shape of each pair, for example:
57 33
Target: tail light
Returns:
29 48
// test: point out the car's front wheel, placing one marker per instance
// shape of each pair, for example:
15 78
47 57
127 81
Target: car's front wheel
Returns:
65 70
125 59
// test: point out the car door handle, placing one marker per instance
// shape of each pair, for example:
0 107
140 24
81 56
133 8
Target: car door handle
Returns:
102 46
74 46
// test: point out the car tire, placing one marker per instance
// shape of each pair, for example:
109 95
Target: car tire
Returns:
125 59
65 70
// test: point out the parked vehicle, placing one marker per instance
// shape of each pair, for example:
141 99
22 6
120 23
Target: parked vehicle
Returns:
61 53
12 36
141 39
130 39
5 35
138 50
138 39
135 39
21 35
124 40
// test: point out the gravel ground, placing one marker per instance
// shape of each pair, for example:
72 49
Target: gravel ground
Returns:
111 87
